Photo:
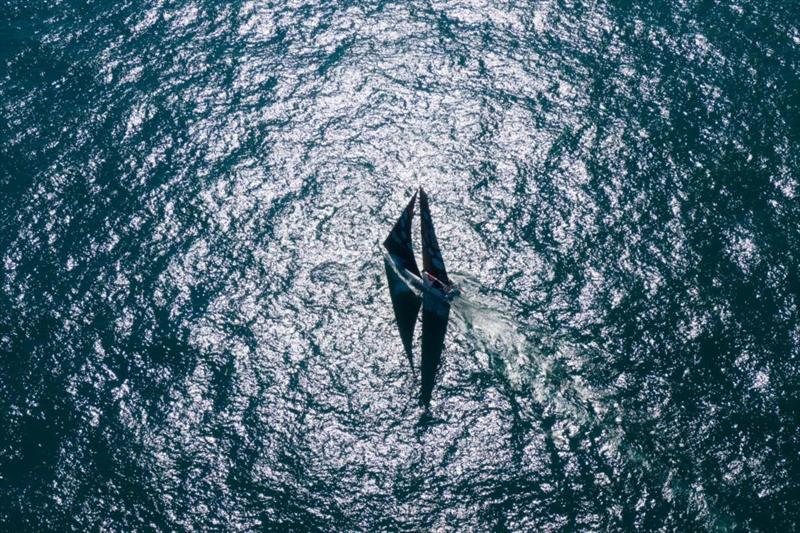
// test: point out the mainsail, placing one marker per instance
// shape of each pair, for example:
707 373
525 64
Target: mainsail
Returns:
432 261
398 243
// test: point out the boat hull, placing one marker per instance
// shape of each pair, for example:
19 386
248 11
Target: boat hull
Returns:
417 283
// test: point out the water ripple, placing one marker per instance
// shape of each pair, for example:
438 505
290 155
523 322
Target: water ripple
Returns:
196 327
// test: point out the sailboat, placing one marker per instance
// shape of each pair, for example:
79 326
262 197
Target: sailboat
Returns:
432 282
433 279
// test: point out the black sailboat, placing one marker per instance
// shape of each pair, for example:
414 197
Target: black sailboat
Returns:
436 291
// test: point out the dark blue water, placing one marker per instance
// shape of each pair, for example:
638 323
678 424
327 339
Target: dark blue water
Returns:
195 326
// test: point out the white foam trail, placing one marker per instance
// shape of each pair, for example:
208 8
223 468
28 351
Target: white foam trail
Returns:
549 368
487 322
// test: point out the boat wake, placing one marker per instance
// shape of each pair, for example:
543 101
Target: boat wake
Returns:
486 321
532 362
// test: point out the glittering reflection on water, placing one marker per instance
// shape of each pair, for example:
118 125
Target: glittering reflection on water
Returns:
194 312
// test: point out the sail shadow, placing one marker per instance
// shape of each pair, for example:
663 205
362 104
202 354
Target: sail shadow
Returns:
435 315
406 306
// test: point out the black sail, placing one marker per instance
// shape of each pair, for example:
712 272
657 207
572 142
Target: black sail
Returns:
406 306
432 261
398 243
435 316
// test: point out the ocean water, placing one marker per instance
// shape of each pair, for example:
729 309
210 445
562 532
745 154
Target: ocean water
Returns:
195 327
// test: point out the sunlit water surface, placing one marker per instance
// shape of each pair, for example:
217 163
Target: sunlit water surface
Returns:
195 326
